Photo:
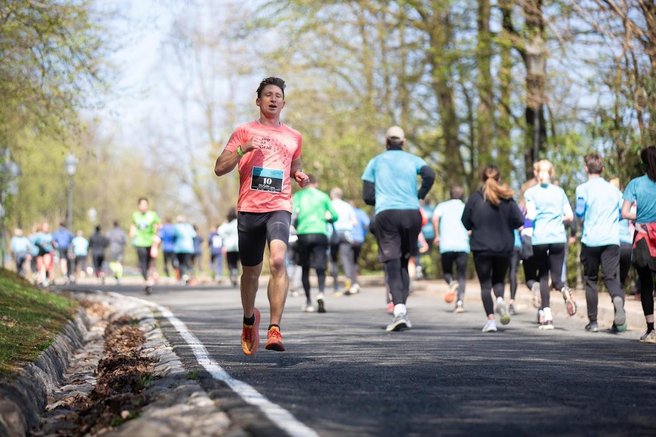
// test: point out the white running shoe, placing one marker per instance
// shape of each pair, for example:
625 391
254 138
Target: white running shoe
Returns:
399 323
502 312
308 308
355 289
568 297
490 326
620 314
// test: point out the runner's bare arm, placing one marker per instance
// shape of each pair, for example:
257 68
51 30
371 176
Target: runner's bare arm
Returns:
436 226
297 173
626 211
228 160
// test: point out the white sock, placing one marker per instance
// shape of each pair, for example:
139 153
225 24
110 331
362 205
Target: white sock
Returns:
547 314
499 299
400 309
320 296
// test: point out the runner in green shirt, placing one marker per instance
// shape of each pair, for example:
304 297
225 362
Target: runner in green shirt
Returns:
143 233
312 211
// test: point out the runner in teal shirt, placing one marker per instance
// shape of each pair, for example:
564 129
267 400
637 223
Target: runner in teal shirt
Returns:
597 203
641 191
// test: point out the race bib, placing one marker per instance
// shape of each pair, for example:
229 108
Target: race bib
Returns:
267 179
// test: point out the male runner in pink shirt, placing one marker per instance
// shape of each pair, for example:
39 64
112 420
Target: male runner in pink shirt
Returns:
267 154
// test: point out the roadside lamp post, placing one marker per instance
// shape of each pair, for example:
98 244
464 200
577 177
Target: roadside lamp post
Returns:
535 63
71 167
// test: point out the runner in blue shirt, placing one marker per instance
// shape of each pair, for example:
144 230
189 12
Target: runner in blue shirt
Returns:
167 236
184 249
548 207
641 191
453 240
62 238
597 203
80 253
390 185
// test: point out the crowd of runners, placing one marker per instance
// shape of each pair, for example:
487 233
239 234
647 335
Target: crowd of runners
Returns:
310 230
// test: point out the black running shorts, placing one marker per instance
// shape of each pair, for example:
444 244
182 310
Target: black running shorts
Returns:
255 229
312 250
397 232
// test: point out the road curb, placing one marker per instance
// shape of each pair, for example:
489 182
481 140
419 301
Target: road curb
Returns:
24 397
179 406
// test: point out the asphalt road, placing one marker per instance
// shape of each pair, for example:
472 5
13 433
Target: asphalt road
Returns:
342 374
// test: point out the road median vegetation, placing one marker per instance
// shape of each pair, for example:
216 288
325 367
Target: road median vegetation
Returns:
30 319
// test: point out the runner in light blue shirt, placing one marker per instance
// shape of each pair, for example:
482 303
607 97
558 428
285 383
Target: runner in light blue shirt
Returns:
395 175
20 248
184 248
597 203
453 240
548 207
389 182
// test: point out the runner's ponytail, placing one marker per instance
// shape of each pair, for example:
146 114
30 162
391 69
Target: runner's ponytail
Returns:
648 157
493 190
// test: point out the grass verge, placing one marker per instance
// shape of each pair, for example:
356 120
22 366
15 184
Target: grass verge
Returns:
30 319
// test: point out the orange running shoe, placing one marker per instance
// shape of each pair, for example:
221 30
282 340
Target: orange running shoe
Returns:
274 340
250 337
450 295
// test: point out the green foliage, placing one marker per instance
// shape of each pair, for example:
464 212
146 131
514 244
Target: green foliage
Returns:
52 57
29 320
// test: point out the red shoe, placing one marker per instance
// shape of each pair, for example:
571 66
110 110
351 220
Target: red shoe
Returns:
250 337
274 340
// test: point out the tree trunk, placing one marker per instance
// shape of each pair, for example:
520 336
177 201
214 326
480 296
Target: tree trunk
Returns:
484 113
535 60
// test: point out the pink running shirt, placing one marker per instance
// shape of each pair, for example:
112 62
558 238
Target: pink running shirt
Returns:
264 174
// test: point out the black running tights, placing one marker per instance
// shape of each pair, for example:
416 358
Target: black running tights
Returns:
491 271
398 279
305 278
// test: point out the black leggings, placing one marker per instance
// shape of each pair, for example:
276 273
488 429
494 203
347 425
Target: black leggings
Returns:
512 275
625 262
491 271
396 271
530 271
549 259
98 259
143 253
646 278
460 258
185 264
305 279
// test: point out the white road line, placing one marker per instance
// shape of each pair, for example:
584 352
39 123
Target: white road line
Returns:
278 415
